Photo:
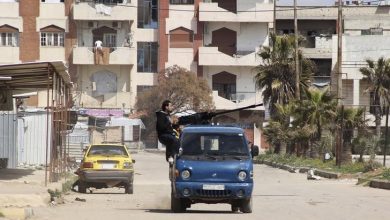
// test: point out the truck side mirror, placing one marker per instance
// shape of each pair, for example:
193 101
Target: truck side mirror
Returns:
255 151
133 161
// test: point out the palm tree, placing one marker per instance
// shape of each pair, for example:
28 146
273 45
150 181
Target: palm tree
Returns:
276 75
351 119
378 76
317 109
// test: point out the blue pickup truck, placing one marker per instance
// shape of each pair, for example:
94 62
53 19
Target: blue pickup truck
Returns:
214 165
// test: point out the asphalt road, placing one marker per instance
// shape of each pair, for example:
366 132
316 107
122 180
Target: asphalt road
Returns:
277 195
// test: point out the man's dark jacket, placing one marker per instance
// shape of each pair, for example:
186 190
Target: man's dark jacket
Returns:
164 124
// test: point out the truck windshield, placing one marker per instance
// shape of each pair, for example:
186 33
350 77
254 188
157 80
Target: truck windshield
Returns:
215 144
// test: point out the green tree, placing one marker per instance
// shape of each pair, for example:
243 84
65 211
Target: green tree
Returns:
378 77
275 76
182 87
317 109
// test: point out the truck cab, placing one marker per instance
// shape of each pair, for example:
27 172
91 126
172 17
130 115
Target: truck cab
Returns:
214 165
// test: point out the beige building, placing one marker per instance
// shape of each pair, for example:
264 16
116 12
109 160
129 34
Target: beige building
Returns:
366 35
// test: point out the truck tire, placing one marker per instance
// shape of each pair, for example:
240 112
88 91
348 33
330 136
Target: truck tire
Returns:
177 205
246 205
235 208
82 186
129 188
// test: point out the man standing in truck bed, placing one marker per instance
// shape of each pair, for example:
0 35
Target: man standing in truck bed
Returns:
165 132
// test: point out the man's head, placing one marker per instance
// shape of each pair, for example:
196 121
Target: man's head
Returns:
166 106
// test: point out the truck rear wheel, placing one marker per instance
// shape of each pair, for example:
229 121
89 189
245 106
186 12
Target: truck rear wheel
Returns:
246 205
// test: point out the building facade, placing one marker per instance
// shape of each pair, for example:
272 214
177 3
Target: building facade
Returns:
218 40
366 33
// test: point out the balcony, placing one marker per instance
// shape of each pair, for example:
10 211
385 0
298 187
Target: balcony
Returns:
210 56
237 100
116 56
89 10
318 47
260 12
9 12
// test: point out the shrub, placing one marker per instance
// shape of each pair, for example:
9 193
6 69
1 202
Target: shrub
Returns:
386 174
371 165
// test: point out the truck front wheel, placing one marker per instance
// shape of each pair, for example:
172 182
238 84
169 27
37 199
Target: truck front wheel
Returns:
246 205
177 205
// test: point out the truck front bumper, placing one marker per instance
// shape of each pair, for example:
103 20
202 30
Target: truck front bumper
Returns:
205 191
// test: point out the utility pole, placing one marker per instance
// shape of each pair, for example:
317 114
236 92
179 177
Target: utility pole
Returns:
386 137
275 16
297 70
339 143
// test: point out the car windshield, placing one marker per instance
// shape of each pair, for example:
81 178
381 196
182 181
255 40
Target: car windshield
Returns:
215 144
111 150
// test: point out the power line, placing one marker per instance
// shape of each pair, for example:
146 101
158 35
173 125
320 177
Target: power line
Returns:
288 8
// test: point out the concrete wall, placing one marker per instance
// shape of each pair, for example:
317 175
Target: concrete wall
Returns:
180 17
353 26
52 53
110 100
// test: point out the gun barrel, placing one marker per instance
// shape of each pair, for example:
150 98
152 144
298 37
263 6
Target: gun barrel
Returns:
237 109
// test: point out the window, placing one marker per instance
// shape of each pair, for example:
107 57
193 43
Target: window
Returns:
52 39
181 2
147 57
181 38
147 14
9 39
109 40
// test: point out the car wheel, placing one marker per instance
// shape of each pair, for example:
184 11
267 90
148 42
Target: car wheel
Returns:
82 186
177 205
246 205
129 188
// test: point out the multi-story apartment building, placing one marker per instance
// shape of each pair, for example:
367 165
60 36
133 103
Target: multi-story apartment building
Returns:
33 30
365 34
219 40
67 30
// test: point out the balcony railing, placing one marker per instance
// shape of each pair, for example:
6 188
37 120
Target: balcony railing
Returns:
211 56
237 100
104 10
115 55
258 12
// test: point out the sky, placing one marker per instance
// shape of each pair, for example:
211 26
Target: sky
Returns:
311 2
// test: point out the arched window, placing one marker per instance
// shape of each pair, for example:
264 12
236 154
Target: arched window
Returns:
181 38
225 84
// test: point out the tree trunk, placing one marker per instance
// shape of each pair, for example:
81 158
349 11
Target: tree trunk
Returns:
378 123
283 148
346 155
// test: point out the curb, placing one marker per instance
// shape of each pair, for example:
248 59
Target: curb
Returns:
381 184
17 213
291 169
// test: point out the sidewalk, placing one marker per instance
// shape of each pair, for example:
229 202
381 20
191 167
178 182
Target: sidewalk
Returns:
23 189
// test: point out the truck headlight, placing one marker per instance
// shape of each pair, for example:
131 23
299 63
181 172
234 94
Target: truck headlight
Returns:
242 175
185 174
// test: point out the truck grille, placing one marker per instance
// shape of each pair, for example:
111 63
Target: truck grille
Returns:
213 193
